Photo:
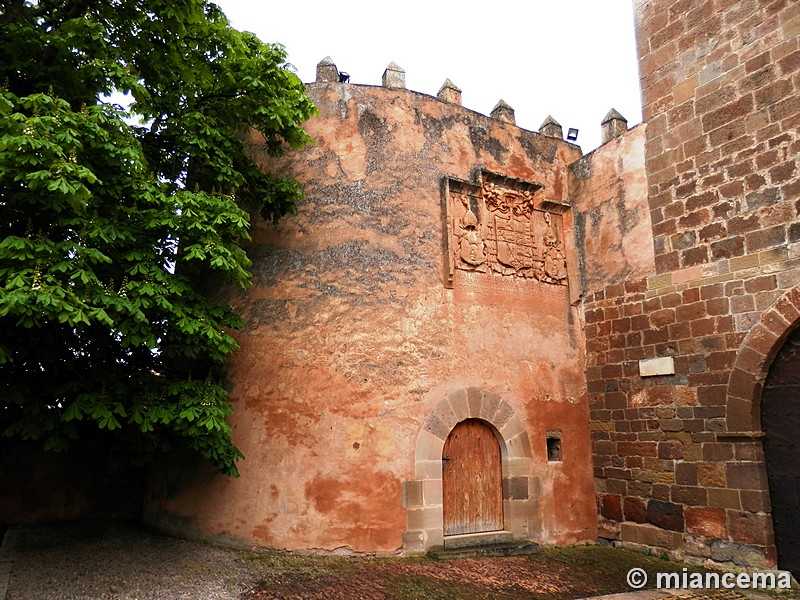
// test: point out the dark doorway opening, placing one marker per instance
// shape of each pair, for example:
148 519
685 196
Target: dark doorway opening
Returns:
780 418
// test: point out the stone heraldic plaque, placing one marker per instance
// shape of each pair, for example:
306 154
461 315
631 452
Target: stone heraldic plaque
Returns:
498 228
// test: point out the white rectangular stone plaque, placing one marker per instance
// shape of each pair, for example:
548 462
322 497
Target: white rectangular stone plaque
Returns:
657 366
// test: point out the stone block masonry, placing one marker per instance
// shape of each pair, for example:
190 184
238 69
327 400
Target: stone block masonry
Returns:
674 450
720 88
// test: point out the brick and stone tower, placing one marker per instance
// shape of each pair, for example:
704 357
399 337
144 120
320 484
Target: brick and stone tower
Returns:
682 403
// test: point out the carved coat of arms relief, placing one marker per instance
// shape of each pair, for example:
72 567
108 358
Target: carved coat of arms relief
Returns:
498 230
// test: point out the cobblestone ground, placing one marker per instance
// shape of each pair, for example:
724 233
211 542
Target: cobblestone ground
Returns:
123 561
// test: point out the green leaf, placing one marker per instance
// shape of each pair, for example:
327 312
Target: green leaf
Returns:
73 412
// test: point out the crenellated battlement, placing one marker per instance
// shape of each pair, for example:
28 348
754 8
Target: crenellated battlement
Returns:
613 124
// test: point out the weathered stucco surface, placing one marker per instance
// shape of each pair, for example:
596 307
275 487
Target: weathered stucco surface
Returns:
352 335
609 191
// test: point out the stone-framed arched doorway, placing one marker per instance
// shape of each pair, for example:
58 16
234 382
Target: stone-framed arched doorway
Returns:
423 496
755 411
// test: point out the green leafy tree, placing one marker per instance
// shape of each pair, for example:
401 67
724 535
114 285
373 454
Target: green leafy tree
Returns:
120 227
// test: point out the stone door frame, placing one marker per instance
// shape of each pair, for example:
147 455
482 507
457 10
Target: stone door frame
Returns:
422 496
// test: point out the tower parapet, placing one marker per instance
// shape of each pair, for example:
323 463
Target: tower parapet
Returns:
449 92
503 112
551 128
613 126
327 72
394 76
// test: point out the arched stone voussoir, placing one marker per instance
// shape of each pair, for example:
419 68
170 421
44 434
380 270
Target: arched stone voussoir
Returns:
458 402
446 414
472 403
762 337
502 415
479 404
474 400
512 428
489 405
756 353
434 425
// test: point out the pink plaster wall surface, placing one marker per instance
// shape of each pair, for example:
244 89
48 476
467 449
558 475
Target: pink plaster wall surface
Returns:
352 335
609 191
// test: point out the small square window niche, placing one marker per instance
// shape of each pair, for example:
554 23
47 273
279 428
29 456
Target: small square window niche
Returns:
554 446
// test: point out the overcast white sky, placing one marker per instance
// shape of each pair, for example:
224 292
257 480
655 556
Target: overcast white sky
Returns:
572 59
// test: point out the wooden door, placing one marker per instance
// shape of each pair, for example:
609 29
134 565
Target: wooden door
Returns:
472 480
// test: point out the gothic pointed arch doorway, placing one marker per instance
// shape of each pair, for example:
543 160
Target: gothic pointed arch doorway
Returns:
472 479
